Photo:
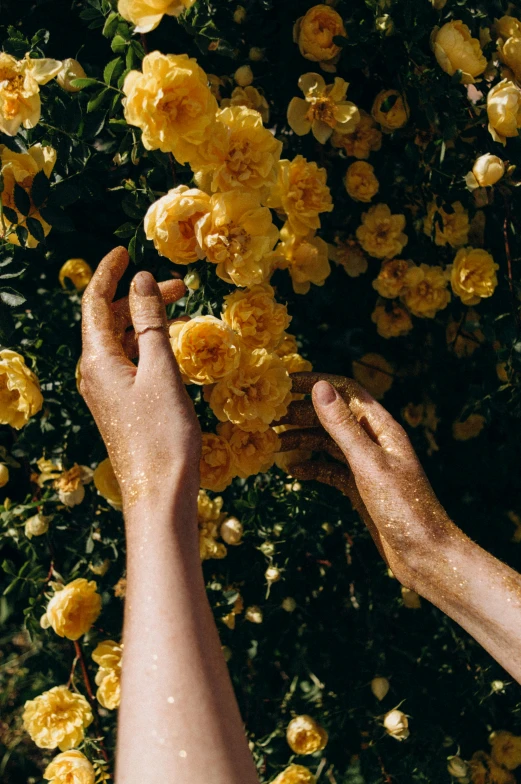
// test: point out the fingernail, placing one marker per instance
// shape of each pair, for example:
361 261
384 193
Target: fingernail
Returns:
144 284
324 393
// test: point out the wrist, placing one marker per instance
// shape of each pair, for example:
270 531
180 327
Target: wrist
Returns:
167 498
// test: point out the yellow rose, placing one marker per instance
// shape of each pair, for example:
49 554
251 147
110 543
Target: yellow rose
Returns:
206 349
392 278
360 181
20 82
470 428
324 109
73 609
57 718
390 110
504 111
37 525
237 153
314 32
305 736
108 656
483 770
506 749
78 272
253 453
20 396
392 321
170 101
363 140
426 291
236 235
455 225
254 395
349 255
301 193
473 275
20 168
107 485
209 518
147 14
170 223
510 54
295 363
216 464
374 373
70 484
397 724
306 258
507 26
381 233
70 767
487 170
295 774
255 315
250 98
69 71
456 50
209 509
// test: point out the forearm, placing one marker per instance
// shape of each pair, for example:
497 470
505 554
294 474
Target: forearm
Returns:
479 592
178 716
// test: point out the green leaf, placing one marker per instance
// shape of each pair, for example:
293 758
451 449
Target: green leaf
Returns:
10 214
97 101
118 44
22 234
113 70
21 199
36 229
11 297
111 25
57 219
84 82
64 193
40 188
125 230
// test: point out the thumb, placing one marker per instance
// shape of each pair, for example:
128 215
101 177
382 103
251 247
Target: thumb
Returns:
148 314
342 425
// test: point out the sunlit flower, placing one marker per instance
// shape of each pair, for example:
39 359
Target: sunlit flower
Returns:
216 464
20 82
170 223
314 32
253 453
324 109
295 774
305 736
250 98
256 316
510 54
20 396
391 319
107 485
108 655
210 516
487 170
78 272
363 140
301 193
70 485
361 182
450 227
390 110
473 275
73 608
147 14
306 259
381 233
504 111
206 349
426 290
374 373
70 767
456 50
57 718
507 26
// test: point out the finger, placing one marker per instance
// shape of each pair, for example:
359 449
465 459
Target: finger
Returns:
98 328
171 291
332 474
313 439
130 341
302 413
305 381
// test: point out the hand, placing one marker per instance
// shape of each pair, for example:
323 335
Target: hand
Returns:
379 470
144 413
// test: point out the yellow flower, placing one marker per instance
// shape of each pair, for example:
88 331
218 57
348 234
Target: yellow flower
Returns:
70 484
236 235
483 770
504 111
253 453
487 170
70 70
455 225
209 518
301 193
295 774
456 50
295 363
70 767
20 168
305 736
20 396
255 315
78 272
381 233
426 291
108 656
374 373
349 255
237 153
250 98
324 109
397 724
506 749
147 14
510 54
20 82
254 395
37 525
473 275
216 464
470 428
314 32
57 718
392 278
363 140
73 609
360 181
306 258
107 485
170 101
206 349
392 321
507 26
170 223
209 509
390 110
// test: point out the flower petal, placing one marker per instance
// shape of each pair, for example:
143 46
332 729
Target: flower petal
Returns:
297 116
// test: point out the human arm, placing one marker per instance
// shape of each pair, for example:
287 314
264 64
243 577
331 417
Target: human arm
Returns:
178 719
382 476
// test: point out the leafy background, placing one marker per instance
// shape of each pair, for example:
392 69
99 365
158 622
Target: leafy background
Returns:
350 623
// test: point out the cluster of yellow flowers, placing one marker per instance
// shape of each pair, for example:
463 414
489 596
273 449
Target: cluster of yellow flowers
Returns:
108 656
496 766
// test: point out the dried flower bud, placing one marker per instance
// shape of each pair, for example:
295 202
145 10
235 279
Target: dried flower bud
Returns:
380 687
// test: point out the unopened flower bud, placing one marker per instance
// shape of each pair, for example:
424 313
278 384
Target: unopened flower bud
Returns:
267 549
239 15
253 614
231 531
192 280
457 767
497 685
380 687
384 24
4 475
70 70
37 525
243 76
410 599
397 724
289 604
487 170
272 574
100 568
